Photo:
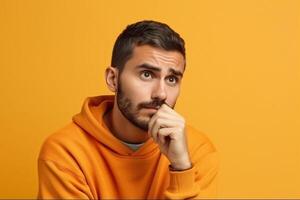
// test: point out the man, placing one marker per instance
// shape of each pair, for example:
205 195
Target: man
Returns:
133 144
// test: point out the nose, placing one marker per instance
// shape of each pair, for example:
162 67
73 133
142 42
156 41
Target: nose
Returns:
159 91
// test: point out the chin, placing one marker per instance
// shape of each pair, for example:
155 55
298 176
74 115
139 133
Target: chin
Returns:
144 120
143 123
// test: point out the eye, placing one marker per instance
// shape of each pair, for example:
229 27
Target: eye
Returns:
172 80
146 75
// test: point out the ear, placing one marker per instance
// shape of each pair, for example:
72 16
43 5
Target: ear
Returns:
111 78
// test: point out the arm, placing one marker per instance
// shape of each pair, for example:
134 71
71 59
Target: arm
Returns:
198 182
58 182
190 176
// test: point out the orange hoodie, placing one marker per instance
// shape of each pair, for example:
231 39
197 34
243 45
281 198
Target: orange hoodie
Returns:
84 160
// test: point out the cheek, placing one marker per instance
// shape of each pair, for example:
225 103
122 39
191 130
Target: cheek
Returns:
136 90
172 97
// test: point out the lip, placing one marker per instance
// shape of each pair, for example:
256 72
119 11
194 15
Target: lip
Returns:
151 108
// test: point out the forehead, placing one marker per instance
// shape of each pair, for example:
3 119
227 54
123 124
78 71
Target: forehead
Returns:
156 57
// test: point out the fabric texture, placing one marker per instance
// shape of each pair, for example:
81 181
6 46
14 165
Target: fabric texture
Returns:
83 160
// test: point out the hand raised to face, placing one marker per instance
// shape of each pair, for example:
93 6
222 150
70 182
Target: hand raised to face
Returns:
167 128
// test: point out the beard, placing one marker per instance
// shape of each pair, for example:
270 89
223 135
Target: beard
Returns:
130 112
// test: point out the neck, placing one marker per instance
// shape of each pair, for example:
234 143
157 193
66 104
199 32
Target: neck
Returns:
123 129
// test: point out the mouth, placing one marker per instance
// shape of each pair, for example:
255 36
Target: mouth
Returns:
151 108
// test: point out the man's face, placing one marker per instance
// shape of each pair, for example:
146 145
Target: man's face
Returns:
150 78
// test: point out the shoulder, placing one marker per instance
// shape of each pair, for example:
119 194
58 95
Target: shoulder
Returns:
64 145
198 141
203 152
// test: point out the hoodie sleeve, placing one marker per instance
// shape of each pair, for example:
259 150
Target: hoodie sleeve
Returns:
57 182
198 182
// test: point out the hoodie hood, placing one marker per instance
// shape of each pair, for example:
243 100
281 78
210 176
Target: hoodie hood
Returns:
91 121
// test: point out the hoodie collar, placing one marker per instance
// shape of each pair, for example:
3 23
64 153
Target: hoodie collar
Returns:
90 119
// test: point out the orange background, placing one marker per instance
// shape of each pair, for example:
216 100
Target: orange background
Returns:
241 86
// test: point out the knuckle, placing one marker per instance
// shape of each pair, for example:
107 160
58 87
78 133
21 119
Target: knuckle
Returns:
158 121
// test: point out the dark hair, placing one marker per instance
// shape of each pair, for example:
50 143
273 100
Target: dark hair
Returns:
147 32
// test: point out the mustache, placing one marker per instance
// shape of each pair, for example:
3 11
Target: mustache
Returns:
151 104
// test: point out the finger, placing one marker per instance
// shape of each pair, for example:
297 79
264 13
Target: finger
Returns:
161 138
168 109
166 105
166 133
162 123
150 126
156 126
160 116
163 115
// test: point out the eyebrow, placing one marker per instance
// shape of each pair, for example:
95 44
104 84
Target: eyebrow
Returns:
157 69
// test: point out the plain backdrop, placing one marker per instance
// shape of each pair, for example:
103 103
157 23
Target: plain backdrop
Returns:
241 85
